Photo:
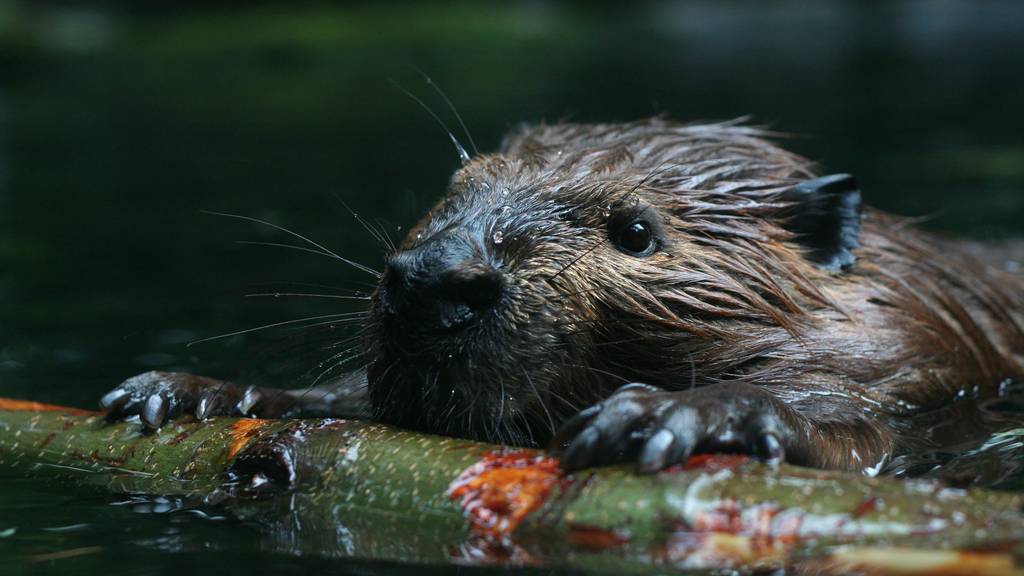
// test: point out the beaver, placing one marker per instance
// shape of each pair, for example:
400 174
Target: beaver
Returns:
640 292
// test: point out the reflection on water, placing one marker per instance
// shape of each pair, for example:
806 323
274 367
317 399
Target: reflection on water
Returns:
118 126
974 443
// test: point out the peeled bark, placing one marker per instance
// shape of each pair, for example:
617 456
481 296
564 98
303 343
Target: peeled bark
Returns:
361 490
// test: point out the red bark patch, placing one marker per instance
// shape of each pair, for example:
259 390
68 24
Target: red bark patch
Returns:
594 538
501 489
178 439
46 441
710 462
864 506
95 457
27 406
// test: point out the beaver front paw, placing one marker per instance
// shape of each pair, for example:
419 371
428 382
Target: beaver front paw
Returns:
158 396
656 428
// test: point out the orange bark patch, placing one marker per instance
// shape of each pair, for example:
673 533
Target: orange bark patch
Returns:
711 462
242 432
501 489
28 406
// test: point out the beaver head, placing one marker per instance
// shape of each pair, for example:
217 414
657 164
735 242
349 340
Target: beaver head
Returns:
581 257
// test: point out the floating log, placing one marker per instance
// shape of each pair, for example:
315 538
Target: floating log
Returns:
352 489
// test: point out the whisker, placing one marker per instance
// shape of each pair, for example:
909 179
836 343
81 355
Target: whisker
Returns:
501 404
281 392
357 265
568 403
529 431
463 155
348 354
281 245
383 239
266 326
306 295
551 421
351 320
387 237
391 389
312 285
451 107
656 171
577 259
431 387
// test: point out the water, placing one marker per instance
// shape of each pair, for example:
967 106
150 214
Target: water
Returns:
118 126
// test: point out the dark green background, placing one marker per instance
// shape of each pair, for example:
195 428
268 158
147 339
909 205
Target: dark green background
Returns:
120 123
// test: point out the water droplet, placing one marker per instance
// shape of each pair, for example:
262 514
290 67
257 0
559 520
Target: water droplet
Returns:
505 191
419 235
498 237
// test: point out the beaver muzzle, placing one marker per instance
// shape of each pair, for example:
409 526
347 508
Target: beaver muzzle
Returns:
445 284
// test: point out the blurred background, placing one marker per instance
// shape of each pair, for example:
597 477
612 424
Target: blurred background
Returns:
121 122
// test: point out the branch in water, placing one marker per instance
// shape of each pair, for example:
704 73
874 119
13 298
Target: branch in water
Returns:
401 496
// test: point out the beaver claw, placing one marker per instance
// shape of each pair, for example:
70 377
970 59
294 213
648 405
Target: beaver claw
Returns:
156 397
655 428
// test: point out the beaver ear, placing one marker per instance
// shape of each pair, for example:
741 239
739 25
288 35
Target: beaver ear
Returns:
825 216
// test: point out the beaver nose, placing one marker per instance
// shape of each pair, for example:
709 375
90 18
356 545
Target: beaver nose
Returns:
442 284
473 284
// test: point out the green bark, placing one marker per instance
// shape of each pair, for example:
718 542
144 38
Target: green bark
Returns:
357 489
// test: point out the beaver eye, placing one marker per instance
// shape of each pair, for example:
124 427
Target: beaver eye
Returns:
637 238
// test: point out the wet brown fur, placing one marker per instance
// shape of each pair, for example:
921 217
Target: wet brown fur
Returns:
916 323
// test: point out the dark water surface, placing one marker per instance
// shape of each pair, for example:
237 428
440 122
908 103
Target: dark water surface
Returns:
118 126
